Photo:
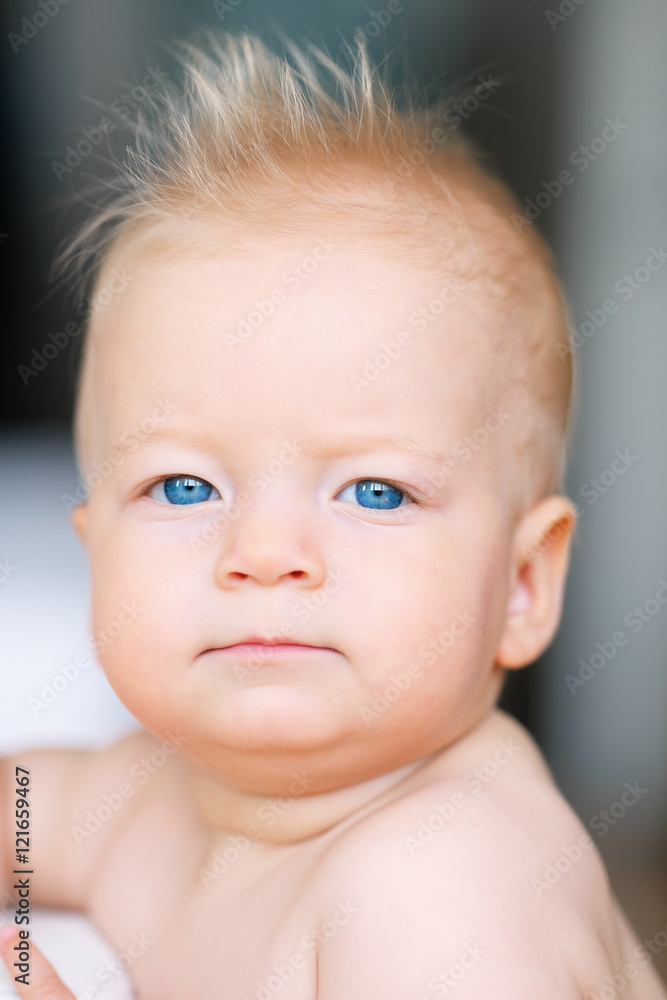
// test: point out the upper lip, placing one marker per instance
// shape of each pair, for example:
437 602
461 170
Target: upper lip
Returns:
260 640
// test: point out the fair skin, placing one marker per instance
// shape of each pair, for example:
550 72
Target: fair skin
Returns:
448 576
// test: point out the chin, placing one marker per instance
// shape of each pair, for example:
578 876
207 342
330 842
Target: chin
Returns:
272 718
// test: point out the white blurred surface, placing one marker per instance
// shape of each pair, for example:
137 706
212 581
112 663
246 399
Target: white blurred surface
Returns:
79 954
44 600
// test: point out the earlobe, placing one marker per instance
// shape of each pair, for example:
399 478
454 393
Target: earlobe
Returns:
79 520
542 543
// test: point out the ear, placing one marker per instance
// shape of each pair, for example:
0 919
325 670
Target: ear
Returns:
542 543
79 521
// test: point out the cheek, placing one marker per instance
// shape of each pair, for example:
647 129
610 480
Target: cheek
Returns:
436 605
140 602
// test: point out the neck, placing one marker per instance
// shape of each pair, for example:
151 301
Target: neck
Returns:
291 817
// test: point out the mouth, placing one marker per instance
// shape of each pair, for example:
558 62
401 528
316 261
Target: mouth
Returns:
259 648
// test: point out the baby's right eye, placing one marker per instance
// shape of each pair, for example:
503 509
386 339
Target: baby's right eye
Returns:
182 489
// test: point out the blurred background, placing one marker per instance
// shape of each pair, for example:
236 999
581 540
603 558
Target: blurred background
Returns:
584 91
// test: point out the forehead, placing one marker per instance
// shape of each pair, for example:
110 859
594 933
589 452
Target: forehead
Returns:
327 332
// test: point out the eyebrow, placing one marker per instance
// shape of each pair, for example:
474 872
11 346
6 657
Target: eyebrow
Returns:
328 448
359 445
200 439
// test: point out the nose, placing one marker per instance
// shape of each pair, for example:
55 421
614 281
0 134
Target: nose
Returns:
270 546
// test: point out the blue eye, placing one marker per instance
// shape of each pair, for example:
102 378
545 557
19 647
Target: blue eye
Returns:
374 494
183 490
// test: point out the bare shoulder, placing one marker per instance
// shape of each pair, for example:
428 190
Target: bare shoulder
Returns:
73 794
478 873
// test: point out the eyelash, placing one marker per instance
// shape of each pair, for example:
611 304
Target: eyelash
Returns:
385 482
145 490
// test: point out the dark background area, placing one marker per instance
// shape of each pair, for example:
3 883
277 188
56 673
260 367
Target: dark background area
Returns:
51 84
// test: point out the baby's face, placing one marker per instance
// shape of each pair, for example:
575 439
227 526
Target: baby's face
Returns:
327 471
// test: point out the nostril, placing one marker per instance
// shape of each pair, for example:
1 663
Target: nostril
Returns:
297 573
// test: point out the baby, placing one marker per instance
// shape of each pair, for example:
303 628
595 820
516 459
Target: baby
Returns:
322 419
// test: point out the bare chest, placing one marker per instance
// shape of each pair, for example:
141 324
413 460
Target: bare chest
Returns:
236 949
235 922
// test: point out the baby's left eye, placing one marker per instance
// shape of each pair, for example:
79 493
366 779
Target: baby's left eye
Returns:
374 494
182 490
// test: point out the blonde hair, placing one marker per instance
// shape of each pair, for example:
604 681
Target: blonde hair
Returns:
247 136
